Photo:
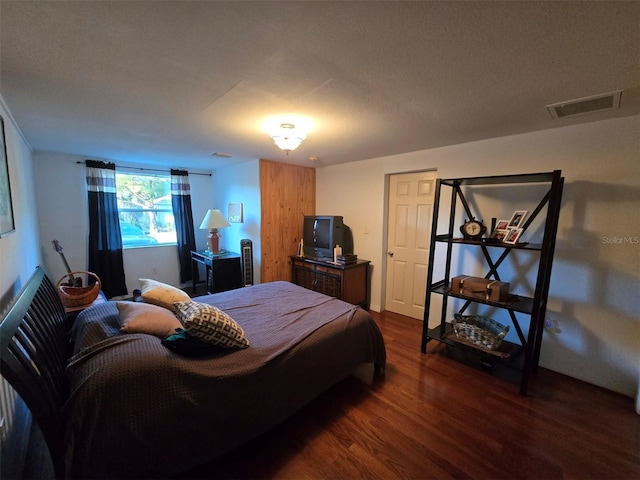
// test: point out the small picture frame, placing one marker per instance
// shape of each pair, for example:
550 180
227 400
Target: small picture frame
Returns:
517 219
502 225
499 234
234 213
512 236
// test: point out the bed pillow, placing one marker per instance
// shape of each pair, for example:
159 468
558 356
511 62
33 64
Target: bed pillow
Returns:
146 318
161 294
210 324
184 344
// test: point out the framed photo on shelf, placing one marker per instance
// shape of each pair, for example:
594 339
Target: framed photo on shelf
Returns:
499 234
512 235
517 219
502 225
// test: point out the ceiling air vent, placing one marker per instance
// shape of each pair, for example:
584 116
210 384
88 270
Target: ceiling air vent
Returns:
604 101
221 155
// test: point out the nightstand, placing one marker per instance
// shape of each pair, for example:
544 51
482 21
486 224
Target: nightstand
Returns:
222 270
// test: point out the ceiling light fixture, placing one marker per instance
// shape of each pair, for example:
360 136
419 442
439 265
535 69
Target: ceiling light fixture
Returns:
287 137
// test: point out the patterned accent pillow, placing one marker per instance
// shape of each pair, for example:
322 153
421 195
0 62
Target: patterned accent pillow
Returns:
210 324
161 294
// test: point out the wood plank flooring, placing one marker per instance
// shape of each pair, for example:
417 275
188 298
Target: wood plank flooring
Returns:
429 417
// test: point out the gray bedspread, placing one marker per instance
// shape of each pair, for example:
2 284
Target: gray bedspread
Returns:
137 409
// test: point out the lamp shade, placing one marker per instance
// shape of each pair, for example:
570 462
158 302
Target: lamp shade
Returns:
213 219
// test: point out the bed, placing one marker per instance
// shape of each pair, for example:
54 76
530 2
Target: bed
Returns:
116 405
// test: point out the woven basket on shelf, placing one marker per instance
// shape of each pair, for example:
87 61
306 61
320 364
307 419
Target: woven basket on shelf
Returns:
78 296
482 331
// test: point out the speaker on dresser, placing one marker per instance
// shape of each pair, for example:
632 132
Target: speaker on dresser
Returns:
246 255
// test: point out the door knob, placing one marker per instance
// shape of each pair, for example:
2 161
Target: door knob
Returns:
390 253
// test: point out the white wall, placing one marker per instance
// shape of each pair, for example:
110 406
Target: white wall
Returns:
19 250
61 198
19 257
240 183
595 285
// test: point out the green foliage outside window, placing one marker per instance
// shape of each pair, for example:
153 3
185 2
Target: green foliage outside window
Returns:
144 206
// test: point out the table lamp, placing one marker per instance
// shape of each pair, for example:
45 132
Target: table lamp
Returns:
213 220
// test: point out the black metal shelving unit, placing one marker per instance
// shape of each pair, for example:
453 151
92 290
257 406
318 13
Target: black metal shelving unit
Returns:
522 357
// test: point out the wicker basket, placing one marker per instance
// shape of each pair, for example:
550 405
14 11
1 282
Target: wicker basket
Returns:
481 331
78 296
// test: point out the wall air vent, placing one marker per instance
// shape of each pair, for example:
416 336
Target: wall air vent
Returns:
605 101
221 155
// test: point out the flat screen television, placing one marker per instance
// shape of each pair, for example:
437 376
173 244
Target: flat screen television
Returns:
323 232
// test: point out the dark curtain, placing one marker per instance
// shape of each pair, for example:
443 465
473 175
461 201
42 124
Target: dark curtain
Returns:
105 242
181 204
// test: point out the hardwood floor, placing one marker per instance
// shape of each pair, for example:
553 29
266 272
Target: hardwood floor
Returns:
429 416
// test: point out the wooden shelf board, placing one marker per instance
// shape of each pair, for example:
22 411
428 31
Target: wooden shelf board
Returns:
501 179
519 246
519 303
508 354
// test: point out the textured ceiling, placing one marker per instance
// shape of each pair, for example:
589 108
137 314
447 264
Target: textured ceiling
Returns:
170 82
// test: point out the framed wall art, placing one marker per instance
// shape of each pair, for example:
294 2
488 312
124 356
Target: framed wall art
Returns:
234 213
6 206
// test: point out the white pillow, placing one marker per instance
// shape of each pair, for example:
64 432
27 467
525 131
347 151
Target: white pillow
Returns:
161 294
145 318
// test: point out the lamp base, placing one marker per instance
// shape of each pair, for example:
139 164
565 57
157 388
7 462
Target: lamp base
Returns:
214 241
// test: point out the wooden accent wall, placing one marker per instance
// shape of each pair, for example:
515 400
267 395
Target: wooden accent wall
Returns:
287 193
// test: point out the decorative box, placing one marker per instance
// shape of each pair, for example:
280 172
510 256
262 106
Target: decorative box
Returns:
481 288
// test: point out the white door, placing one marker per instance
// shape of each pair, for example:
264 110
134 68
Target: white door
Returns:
408 241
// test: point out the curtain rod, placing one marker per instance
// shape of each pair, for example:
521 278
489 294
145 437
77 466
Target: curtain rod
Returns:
153 169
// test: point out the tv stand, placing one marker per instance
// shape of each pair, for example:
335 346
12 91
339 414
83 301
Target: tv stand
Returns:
346 282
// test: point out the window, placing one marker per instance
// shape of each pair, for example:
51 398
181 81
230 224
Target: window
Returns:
144 207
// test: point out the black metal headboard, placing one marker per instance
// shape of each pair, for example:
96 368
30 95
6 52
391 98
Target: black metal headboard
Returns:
34 350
